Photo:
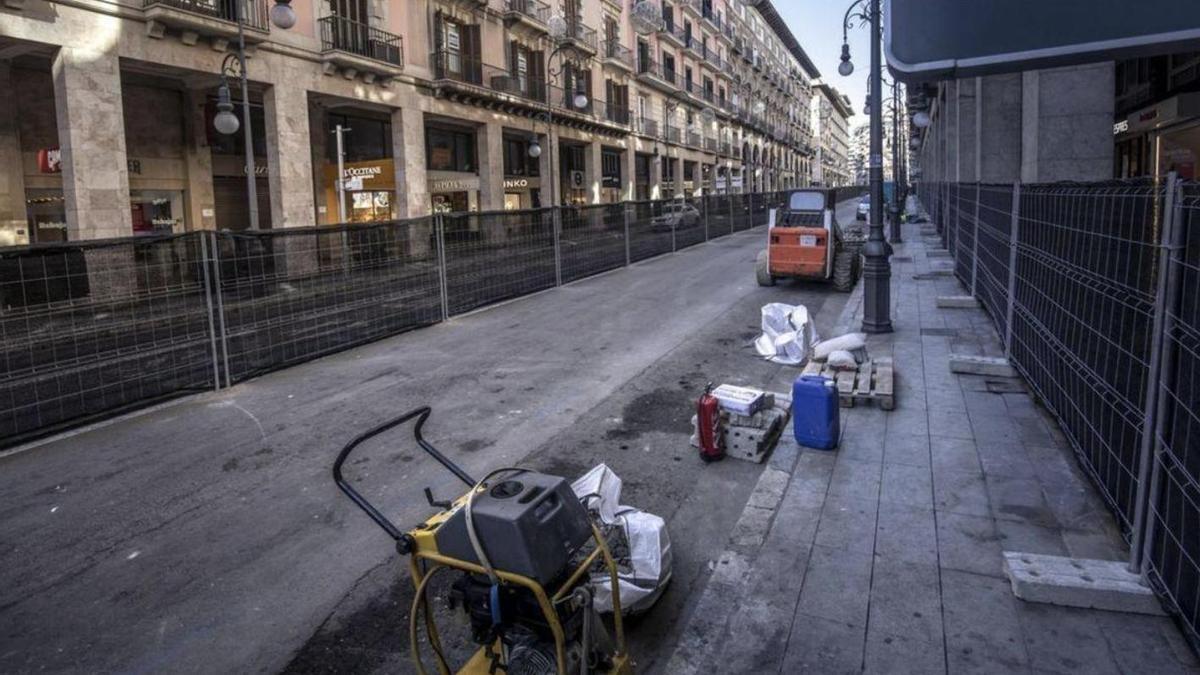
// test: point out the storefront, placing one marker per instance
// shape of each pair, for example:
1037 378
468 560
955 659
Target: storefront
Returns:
690 179
610 175
368 196
522 175
642 164
1159 139
574 178
452 165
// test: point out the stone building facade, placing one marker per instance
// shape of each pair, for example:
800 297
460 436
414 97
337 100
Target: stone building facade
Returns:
435 105
831 113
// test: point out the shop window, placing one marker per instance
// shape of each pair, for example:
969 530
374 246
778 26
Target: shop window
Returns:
449 150
517 161
235 143
610 168
363 138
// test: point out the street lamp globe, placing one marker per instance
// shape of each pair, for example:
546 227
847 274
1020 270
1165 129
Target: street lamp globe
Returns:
535 149
921 119
845 68
557 26
282 14
580 100
225 121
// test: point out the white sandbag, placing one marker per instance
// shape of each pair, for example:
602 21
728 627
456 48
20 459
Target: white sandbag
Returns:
848 342
788 333
648 571
842 360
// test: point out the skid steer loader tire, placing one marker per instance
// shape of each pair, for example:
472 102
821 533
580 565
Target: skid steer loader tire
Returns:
845 267
762 270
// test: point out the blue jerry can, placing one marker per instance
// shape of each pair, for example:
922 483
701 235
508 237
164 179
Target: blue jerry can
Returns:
816 417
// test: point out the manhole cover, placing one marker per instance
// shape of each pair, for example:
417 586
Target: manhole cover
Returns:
940 332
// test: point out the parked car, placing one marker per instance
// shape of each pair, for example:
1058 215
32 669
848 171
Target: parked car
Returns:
864 209
676 215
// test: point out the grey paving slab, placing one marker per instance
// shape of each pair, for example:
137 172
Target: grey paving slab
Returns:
970 544
1000 456
906 600
906 533
908 449
1029 538
910 421
818 645
895 655
837 585
1064 640
848 523
954 454
983 633
949 423
908 485
960 492
1020 499
855 481
1147 644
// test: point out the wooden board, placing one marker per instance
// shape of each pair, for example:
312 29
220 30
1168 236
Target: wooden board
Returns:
873 381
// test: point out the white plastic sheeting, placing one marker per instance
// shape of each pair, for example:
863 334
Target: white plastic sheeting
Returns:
649 566
788 334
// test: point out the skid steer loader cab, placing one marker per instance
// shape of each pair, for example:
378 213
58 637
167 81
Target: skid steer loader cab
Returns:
804 241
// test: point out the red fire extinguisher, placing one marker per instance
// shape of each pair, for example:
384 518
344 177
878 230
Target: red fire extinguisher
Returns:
708 425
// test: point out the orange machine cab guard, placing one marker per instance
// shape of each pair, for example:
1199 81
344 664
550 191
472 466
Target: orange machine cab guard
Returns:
799 251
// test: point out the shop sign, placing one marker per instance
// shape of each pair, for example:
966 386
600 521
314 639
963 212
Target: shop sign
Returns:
511 183
352 183
361 171
453 184
49 160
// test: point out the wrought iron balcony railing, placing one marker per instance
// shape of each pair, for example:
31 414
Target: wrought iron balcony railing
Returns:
616 51
360 39
254 12
532 9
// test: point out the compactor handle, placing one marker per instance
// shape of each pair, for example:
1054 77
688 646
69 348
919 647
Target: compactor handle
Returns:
388 526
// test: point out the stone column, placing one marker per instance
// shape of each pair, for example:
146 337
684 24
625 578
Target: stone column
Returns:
547 171
13 223
91 135
1067 120
1000 112
408 152
629 173
593 171
289 161
656 176
491 167
198 158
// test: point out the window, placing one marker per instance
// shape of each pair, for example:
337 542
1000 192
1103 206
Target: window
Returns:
449 150
610 168
517 161
668 66
363 138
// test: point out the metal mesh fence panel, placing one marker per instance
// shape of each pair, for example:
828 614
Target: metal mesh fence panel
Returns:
993 247
498 255
689 224
742 216
650 230
93 328
964 234
289 296
592 240
718 215
758 209
1082 318
1174 553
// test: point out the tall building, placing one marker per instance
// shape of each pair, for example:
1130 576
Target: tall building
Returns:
437 105
831 112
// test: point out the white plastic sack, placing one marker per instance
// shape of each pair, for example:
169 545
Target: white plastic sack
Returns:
788 334
848 343
842 360
650 560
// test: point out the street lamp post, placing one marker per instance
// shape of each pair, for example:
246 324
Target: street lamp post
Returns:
897 168
558 31
877 270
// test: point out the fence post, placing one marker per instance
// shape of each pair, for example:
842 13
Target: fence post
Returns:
221 307
1166 299
975 244
1013 240
439 229
557 223
704 214
732 210
625 211
673 227
208 301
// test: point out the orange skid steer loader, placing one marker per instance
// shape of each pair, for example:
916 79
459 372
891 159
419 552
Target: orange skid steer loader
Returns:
804 241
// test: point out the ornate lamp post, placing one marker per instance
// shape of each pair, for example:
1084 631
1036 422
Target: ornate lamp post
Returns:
877 269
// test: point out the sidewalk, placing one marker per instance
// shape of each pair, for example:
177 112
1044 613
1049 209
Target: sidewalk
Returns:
885 555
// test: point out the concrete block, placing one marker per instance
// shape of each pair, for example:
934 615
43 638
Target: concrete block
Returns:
1076 582
988 366
957 302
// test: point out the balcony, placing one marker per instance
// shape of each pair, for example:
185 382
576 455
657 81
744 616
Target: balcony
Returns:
582 36
616 54
453 71
216 19
532 15
647 126
616 114
673 134
664 79
672 33
710 144
694 139
356 47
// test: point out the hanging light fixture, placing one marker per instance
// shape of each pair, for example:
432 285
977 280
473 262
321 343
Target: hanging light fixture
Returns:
225 121
282 14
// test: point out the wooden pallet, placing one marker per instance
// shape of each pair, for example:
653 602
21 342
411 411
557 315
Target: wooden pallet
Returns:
873 381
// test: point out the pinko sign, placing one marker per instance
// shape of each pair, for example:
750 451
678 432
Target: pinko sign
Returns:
49 160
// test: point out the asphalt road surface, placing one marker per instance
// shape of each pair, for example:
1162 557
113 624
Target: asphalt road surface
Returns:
207 535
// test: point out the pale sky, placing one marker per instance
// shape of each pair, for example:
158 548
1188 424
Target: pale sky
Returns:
817 24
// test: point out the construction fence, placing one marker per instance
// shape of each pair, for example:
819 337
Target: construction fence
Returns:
1095 290
92 328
